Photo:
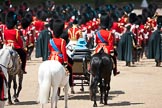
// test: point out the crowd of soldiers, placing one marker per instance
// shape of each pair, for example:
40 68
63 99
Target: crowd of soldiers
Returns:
84 22
33 20
135 35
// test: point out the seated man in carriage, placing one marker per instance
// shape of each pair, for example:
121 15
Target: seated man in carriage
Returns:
74 33
105 40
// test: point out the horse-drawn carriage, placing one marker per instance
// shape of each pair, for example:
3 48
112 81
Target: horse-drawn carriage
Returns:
80 56
81 59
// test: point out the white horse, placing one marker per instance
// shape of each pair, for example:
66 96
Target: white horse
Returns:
6 63
52 73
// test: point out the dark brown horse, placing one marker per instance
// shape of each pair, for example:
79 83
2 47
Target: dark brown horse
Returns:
101 66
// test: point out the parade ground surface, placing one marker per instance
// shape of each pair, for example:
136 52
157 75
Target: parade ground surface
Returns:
139 86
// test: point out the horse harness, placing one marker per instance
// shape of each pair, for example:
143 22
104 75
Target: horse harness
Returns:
13 67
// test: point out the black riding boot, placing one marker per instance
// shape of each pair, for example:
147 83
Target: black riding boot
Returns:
115 72
128 63
157 63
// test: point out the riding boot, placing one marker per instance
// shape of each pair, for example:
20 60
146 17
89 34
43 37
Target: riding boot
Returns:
58 92
128 64
72 90
157 63
115 72
23 57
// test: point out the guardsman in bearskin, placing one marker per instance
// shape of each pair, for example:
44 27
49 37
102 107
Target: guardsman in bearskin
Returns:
39 22
155 43
12 37
28 32
116 28
126 45
57 45
140 36
105 39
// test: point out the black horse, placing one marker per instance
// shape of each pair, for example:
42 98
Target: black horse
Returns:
101 66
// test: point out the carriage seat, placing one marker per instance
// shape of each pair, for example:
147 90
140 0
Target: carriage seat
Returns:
80 54
81 51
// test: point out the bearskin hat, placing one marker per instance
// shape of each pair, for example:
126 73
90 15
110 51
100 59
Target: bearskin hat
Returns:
41 15
26 21
75 20
7 3
119 12
159 20
127 9
58 27
132 18
146 12
131 6
153 7
11 19
105 21
139 19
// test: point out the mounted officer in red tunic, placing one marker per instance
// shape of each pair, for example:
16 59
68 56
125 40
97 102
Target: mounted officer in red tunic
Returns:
57 45
12 37
105 39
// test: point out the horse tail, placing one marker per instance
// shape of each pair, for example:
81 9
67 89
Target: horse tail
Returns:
96 77
44 79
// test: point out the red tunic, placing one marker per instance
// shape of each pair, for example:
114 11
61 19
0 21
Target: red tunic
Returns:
61 45
108 45
89 26
12 37
39 26
30 33
74 33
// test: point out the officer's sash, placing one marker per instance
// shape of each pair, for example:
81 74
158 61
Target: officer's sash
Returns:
100 37
55 47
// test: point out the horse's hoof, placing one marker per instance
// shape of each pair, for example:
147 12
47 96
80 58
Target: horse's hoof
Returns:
10 103
105 103
101 102
82 89
16 100
72 92
94 105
